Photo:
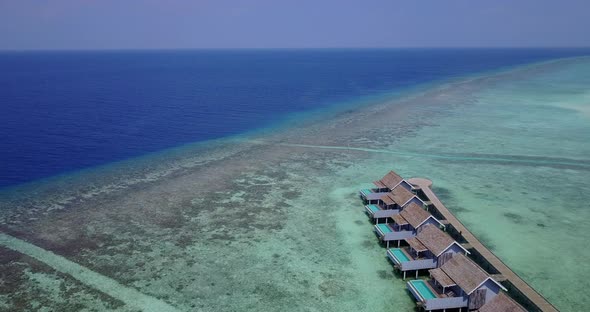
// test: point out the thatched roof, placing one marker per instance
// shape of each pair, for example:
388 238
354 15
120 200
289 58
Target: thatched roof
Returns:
468 275
434 239
416 244
441 277
390 180
501 303
415 215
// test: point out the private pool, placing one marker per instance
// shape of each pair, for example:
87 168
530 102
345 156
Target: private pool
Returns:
366 191
422 289
373 208
399 254
384 228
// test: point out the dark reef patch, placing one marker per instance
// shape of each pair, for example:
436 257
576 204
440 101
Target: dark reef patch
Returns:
442 193
383 274
516 218
330 287
369 243
291 194
458 209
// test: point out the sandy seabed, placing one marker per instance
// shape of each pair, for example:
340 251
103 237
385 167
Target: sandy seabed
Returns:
271 221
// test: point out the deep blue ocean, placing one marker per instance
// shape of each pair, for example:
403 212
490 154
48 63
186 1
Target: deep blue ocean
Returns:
64 111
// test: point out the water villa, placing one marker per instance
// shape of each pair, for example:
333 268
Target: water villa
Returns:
501 302
458 283
392 203
405 225
429 249
389 182
455 281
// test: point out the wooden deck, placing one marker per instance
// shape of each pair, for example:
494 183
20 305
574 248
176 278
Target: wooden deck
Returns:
505 271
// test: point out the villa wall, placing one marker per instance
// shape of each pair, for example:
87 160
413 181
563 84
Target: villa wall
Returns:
385 213
492 289
406 185
398 235
455 249
430 221
415 200
446 303
448 254
418 264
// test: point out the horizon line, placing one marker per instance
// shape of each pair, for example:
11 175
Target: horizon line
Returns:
296 48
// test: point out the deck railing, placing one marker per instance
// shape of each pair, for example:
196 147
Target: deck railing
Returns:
398 235
371 194
418 264
385 213
445 303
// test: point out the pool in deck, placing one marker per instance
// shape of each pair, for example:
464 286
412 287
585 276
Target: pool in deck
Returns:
366 191
384 228
373 208
422 289
399 254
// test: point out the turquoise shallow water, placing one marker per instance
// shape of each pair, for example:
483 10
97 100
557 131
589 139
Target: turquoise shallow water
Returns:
273 221
511 160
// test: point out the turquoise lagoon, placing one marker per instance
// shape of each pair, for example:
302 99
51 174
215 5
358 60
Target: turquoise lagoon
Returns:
511 160
273 222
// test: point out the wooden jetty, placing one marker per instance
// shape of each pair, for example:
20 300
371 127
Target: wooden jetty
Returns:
504 271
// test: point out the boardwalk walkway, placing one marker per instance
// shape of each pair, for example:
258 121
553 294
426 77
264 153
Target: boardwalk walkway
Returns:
494 261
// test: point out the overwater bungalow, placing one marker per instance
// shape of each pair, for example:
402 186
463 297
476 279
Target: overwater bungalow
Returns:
503 303
382 187
459 283
392 203
406 224
429 249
